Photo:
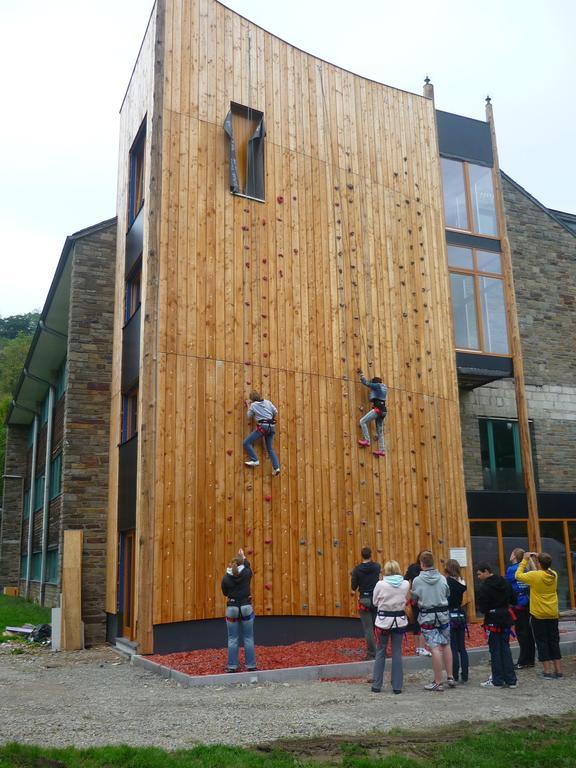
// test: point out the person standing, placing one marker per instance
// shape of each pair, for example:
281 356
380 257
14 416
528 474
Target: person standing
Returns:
264 413
364 578
389 597
239 612
412 571
377 413
458 624
521 607
494 598
544 614
431 590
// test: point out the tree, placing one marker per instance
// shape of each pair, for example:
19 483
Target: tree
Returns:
11 327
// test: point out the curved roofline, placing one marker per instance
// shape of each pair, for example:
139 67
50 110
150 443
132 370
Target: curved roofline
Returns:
282 40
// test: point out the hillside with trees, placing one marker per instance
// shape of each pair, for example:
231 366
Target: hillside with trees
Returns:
15 336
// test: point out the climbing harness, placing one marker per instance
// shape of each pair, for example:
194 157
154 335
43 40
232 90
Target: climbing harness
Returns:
394 626
265 426
437 623
380 407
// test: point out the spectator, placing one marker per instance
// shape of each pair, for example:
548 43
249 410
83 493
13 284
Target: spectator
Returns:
458 624
389 597
494 598
521 607
431 590
543 584
364 578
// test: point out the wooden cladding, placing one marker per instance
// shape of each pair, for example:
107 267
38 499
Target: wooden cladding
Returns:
343 266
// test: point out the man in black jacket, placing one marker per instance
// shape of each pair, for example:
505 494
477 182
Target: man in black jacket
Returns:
365 576
494 598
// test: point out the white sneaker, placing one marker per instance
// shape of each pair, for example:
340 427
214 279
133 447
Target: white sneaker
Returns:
423 652
489 684
252 463
275 472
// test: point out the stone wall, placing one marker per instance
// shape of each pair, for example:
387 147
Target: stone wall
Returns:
544 266
11 523
87 416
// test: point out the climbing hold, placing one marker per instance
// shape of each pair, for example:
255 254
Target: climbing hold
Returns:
247 264
267 541
249 551
248 531
264 261
268 585
245 229
267 498
229 452
280 199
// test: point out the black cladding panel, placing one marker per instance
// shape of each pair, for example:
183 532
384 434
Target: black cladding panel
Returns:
464 138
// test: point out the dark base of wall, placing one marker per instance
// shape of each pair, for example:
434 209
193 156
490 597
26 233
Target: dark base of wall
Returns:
268 630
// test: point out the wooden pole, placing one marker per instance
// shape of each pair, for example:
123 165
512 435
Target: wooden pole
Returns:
516 349
71 601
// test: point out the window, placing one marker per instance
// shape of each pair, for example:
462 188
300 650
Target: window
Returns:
469 197
39 493
136 186
23 566
52 562
133 291
501 458
478 304
45 409
62 381
56 476
26 506
129 414
36 569
245 129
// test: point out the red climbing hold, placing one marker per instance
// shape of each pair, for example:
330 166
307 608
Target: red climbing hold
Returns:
229 518
280 199
267 541
267 498
268 585
248 531
229 452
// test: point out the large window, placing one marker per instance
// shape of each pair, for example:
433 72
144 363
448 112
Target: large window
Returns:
245 129
38 492
129 414
478 305
136 185
56 476
133 294
501 459
469 197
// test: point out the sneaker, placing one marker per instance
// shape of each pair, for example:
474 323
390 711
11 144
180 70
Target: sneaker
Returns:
523 666
451 682
252 463
547 675
364 443
511 685
379 453
434 687
230 670
423 652
558 675
396 692
251 669
275 471
375 690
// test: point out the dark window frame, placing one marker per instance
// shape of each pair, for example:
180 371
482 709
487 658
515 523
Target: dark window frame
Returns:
136 173
254 187
133 291
129 426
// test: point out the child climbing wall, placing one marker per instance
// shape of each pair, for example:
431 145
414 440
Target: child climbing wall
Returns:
377 413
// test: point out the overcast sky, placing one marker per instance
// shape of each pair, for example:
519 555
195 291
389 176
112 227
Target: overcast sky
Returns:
65 66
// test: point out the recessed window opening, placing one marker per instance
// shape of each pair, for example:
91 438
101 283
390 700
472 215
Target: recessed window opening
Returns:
469 202
129 415
136 183
133 294
245 129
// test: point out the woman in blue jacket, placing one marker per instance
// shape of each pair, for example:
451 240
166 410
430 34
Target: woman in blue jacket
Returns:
521 609
377 413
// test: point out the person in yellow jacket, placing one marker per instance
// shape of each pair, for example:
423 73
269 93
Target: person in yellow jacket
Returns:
543 585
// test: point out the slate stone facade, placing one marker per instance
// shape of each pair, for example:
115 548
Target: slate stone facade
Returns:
11 523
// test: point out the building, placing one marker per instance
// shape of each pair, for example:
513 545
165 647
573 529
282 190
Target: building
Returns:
56 472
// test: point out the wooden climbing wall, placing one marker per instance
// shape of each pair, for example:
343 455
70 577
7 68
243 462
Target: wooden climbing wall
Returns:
343 266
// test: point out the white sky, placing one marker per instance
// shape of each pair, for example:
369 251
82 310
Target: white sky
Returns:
65 65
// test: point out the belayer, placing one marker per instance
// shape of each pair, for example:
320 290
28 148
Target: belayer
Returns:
264 413
377 413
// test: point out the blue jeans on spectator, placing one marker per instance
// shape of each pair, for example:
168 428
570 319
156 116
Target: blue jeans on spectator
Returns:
459 652
501 658
366 419
240 620
268 439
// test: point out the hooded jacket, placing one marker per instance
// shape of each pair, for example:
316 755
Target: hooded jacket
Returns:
364 577
521 591
431 590
390 595
543 591
237 588
457 589
494 598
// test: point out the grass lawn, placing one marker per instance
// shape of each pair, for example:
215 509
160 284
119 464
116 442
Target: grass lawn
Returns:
15 611
547 742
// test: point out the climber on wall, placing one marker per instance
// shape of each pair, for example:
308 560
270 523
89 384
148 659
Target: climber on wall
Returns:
264 413
377 413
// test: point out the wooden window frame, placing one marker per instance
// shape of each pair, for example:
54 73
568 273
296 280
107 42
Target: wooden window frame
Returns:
476 274
133 292
129 426
468 193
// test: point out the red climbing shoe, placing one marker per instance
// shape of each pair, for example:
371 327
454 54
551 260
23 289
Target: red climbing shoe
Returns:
379 453
364 443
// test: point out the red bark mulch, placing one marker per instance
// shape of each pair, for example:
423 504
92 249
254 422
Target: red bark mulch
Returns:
213 660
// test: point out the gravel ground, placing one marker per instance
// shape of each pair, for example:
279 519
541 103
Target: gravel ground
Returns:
94 697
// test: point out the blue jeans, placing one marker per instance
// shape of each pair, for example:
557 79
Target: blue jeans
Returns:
459 652
501 658
237 618
268 438
366 419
